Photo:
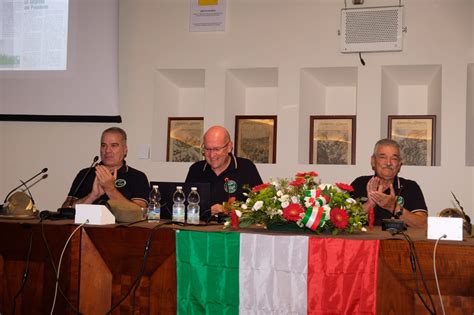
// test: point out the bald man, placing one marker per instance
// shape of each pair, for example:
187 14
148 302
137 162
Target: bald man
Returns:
226 173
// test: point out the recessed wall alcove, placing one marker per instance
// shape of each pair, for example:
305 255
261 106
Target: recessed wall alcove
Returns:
179 93
324 91
412 90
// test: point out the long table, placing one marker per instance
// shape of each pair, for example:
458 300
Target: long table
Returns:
101 264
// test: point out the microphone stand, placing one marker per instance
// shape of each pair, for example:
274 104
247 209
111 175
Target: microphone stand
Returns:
44 170
467 219
394 225
69 212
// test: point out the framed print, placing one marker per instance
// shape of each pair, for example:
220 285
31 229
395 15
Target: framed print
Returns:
416 136
255 138
184 139
332 140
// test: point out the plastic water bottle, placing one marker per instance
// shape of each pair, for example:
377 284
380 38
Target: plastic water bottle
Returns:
178 204
154 206
193 206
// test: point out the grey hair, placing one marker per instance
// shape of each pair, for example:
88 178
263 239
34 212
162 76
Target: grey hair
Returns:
118 130
389 143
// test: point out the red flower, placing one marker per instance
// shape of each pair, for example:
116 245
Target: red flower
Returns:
339 218
312 174
292 212
297 182
345 187
260 187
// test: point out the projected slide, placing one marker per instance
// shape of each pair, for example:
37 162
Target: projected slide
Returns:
33 34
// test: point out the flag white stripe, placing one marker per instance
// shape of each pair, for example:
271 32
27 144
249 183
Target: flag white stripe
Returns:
273 274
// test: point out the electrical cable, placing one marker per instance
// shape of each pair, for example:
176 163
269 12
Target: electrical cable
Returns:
436 274
415 268
362 61
51 260
60 261
414 264
25 273
138 277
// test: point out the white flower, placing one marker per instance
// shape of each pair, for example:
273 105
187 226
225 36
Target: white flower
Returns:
244 206
294 199
350 200
238 213
285 204
226 224
284 198
280 212
363 229
279 193
327 209
248 200
258 205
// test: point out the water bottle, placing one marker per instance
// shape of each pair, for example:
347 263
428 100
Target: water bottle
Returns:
178 204
154 207
193 206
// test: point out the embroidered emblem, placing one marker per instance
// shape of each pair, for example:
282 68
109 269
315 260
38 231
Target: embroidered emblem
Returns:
230 186
120 182
400 201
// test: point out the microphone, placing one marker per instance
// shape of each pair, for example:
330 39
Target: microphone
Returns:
44 170
69 212
29 192
94 163
396 201
27 188
20 203
394 225
466 218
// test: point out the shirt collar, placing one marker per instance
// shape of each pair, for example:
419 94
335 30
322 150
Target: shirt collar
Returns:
233 162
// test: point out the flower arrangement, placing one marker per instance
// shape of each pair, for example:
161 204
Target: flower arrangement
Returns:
303 201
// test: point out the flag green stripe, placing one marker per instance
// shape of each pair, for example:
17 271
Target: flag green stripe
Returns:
207 267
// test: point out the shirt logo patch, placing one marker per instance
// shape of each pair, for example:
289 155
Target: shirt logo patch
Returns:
400 201
230 186
120 183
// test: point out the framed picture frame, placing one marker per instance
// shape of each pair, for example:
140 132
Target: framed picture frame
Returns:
416 135
184 139
332 139
256 138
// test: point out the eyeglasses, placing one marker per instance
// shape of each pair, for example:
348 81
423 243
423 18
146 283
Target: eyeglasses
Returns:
215 150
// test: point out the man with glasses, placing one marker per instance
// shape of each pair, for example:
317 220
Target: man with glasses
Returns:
226 172
387 193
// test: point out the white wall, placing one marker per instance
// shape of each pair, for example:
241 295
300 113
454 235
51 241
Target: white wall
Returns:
288 35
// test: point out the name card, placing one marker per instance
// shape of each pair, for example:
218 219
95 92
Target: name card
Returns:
96 214
451 227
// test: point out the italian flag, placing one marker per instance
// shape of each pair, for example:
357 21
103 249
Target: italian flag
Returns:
240 273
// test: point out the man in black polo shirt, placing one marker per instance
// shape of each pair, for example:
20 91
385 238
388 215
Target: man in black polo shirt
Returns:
112 178
381 190
226 172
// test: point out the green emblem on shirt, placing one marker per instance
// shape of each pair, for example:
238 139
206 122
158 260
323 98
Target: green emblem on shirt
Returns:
400 201
230 186
120 182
